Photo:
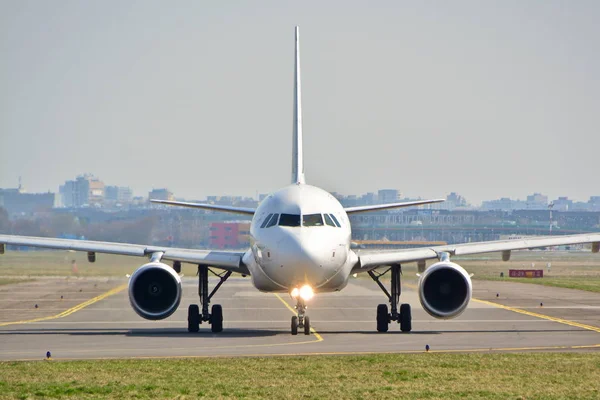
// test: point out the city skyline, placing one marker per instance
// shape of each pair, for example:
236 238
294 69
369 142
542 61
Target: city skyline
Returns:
75 193
488 100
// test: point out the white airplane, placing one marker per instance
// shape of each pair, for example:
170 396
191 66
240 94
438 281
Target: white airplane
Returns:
300 244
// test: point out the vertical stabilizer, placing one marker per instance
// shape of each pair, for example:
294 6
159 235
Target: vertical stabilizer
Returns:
297 159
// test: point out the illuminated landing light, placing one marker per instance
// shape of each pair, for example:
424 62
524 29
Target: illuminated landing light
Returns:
306 292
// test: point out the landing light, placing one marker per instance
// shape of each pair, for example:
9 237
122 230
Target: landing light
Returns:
305 292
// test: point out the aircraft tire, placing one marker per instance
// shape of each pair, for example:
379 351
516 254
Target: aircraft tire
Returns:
405 318
216 318
193 318
383 320
306 325
294 325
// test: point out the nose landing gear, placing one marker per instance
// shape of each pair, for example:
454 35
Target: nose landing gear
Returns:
302 320
404 317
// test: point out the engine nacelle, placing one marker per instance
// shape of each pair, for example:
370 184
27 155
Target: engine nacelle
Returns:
155 291
445 290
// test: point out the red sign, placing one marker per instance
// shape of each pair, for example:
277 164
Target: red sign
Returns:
526 273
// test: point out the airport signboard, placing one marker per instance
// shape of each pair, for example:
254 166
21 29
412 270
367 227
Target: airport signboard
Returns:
526 273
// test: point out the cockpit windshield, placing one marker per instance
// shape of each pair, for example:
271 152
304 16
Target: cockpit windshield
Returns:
289 220
307 220
312 220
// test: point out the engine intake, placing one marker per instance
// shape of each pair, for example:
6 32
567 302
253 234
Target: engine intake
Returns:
155 291
445 290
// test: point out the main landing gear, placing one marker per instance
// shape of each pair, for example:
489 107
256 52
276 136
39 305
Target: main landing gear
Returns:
383 316
215 317
301 320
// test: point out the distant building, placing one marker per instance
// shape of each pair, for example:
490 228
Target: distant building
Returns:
17 201
453 201
229 235
594 203
388 195
562 204
161 194
503 204
85 190
537 201
118 194
368 199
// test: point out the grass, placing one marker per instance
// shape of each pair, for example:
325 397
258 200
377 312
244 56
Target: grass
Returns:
60 263
8 281
383 376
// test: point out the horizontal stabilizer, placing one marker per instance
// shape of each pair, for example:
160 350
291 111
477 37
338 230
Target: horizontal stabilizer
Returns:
213 207
360 209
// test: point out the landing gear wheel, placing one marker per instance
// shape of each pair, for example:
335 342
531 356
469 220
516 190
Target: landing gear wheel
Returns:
193 318
216 318
306 326
294 325
405 318
382 318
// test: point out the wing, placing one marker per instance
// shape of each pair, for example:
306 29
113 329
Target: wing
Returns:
214 207
359 209
231 261
371 259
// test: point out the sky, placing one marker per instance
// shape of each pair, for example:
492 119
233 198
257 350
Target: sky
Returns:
488 99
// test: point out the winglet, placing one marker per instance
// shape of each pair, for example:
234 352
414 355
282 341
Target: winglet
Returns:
297 158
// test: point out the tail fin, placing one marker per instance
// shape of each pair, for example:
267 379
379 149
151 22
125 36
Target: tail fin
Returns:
297 159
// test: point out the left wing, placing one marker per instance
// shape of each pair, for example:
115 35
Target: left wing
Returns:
231 261
372 259
214 207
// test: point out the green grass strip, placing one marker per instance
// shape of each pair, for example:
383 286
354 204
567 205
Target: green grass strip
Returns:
423 376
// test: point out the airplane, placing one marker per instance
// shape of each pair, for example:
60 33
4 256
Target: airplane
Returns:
300 243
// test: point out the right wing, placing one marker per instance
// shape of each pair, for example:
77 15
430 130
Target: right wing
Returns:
231 261
359 209
372 259
215 207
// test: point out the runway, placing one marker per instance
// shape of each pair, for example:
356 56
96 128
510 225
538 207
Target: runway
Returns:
344 323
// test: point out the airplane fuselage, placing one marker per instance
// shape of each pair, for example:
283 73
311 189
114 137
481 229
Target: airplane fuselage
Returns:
300 235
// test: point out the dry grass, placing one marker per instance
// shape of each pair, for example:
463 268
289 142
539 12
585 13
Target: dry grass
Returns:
60 263
425 376
9 281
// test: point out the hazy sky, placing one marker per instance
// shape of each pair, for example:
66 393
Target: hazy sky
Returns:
486 98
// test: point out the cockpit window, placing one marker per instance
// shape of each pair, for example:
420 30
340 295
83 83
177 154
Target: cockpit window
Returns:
264 224
328 220
312 220
289 220
273 220
335 220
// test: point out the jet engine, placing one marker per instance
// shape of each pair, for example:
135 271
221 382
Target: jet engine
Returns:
445 290
155 291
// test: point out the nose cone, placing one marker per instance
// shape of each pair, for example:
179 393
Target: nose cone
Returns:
305 256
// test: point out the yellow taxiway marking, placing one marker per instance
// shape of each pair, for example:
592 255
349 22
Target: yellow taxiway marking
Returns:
319 337
542 316
70 310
